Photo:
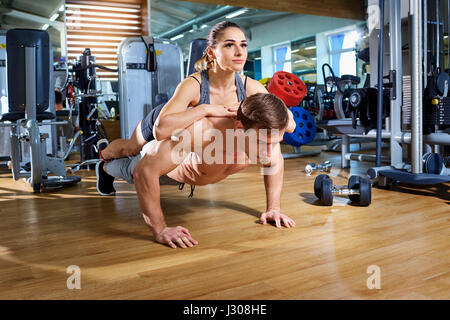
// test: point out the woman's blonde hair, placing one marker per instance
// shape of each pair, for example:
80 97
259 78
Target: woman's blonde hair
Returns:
205 62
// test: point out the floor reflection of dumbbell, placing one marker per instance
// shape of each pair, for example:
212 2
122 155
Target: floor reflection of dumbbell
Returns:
325 166
359 190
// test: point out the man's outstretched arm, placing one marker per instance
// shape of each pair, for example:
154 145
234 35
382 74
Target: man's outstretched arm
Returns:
154 164
273 182
160 160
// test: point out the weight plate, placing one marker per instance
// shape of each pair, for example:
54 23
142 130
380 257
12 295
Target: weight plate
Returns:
288 87
318 184
354 183
305 129
433 163
442 78
326 192
365 189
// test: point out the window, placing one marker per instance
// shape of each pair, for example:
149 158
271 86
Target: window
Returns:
303 56
343 52
101 27
282 58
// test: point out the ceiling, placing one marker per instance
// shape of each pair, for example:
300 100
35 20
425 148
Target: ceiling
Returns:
169 15
166 16
32 14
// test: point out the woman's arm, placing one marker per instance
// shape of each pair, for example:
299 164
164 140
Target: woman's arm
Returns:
174 115
254 86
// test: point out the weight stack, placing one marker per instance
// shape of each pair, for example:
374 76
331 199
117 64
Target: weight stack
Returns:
407 101
437 115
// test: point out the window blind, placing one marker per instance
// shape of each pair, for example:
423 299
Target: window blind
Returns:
100 26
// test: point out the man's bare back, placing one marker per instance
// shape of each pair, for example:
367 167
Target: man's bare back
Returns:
195 170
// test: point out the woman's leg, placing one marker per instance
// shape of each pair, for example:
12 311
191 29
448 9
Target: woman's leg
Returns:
121 148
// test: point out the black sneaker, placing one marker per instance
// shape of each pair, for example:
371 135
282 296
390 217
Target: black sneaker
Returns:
105 182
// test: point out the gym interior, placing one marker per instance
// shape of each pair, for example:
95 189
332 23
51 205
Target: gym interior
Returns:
366 170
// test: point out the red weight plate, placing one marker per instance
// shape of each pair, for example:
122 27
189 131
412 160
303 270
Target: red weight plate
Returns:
288 87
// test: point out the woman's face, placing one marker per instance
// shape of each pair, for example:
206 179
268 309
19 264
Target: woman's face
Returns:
230 52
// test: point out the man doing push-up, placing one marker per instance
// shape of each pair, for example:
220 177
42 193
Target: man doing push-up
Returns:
205 153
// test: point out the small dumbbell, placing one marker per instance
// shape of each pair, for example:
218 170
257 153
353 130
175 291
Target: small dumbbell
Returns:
359 190
325 166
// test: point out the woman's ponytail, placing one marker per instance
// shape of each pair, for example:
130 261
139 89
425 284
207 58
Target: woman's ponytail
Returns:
204 63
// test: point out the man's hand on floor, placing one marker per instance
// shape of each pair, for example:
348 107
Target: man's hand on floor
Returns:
278 217
177 236
173 236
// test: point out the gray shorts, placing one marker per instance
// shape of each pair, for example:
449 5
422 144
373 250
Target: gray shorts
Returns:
123 168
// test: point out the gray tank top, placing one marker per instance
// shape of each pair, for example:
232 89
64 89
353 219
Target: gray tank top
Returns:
204 98
204 87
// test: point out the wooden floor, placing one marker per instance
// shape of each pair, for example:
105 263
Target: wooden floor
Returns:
406 233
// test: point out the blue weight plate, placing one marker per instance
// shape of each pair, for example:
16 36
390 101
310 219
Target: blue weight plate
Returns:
305 130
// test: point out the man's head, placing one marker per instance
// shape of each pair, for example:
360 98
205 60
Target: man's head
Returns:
263 111
267 115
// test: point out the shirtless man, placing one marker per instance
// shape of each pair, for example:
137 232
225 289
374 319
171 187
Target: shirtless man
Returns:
262 114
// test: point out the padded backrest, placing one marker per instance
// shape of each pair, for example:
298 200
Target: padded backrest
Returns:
196 50
16 42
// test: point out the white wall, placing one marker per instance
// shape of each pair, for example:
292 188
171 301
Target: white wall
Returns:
322 54
266 62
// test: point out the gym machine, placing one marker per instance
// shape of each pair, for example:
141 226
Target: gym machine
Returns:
84 77
416 125
149 72
425 111
344 86
344 108
30 94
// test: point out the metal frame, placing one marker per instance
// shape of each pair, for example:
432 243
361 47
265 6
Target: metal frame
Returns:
416 83
396 64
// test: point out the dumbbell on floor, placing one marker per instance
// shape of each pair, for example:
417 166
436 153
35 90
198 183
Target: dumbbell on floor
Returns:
324 166
359 190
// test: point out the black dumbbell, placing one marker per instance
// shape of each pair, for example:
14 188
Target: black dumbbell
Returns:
359 190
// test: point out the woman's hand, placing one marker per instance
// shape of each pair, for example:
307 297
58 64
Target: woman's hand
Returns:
214 110
234 106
